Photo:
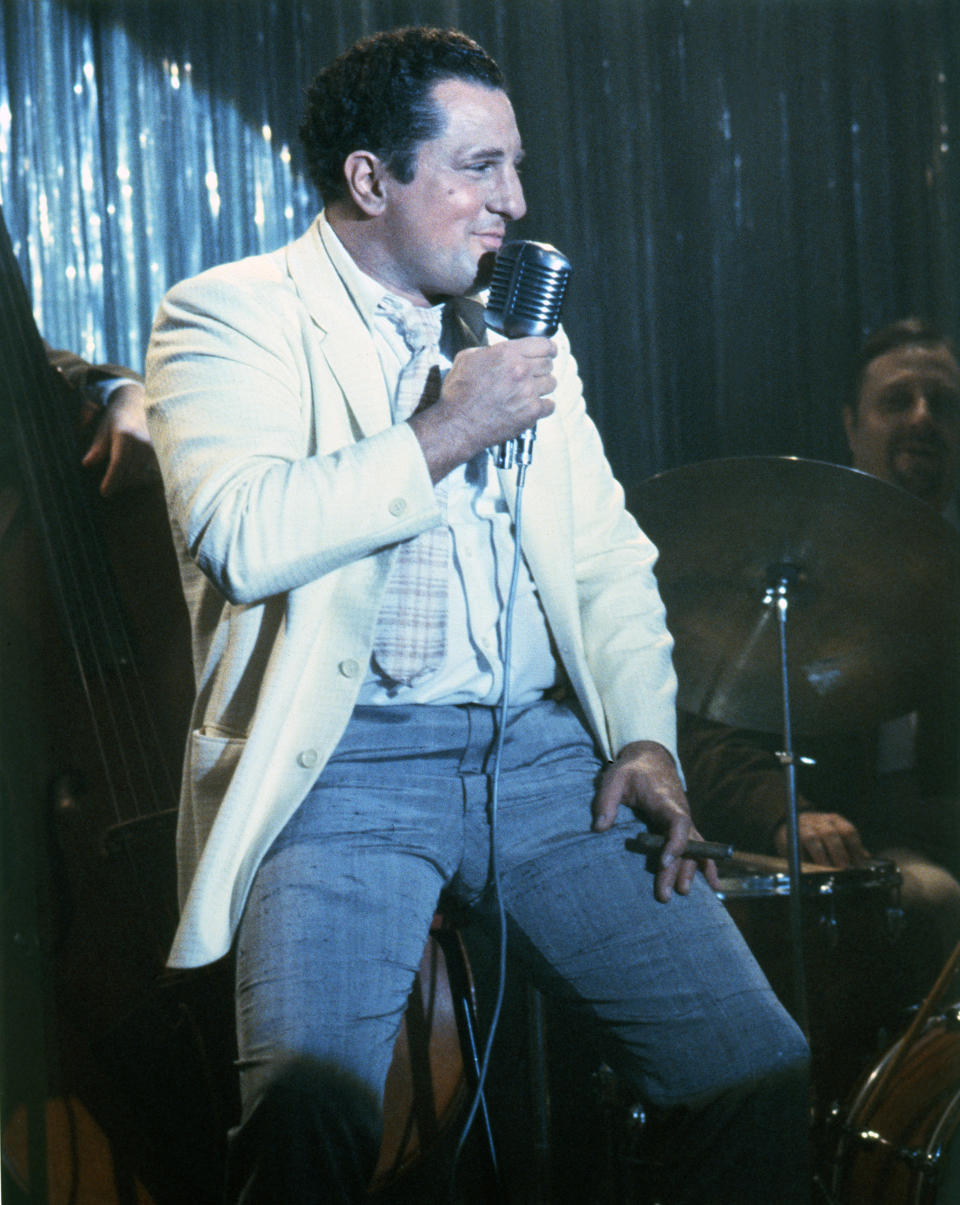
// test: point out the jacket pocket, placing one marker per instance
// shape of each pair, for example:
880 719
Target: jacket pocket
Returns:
213 759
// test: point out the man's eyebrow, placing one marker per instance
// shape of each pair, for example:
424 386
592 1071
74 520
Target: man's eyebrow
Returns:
493 152
935 376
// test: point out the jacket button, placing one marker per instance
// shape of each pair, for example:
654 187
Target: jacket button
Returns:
349 668
397 507
308 758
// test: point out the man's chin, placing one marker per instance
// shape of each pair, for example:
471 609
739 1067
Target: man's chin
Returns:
461 283
484 270
924 481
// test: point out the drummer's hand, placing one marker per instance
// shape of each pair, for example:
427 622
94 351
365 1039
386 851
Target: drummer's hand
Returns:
826 838
644 777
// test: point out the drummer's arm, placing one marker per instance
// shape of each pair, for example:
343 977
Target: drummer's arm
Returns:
738 793
736 786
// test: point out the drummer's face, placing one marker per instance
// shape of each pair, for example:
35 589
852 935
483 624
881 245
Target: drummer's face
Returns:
906 429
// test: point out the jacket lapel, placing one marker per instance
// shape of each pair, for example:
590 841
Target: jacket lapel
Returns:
347 345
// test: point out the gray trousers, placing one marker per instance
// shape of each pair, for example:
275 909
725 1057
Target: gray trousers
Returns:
337 920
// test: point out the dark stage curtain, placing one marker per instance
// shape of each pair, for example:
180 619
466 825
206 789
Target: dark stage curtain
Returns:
744 187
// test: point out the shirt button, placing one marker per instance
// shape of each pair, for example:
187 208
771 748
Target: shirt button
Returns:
349 668
308 758
397 507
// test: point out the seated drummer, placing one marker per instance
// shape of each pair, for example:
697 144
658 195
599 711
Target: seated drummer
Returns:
891 793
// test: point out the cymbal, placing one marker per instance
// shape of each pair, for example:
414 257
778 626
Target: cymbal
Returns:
872 591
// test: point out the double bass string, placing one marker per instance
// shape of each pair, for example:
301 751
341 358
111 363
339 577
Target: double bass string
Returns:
84 589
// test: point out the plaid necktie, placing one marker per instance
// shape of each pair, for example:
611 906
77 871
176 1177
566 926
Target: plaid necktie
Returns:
411 637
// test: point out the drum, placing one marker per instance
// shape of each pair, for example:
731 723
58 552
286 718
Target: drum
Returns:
903 1147
850 923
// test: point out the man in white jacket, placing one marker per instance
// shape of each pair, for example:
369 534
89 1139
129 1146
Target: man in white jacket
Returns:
347 558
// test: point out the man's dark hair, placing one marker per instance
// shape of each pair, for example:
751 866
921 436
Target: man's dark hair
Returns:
376 97
905 332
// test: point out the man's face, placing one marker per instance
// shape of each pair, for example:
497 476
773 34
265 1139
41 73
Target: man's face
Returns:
907 426
454 212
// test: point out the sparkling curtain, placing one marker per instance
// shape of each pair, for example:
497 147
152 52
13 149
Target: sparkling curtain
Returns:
744 187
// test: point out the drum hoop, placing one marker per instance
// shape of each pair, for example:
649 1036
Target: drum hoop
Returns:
866 1087
881 874
852 1122
934 1149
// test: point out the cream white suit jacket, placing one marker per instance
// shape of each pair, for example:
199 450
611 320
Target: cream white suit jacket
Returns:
288 489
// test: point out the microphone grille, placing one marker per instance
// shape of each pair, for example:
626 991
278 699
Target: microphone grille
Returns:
527 289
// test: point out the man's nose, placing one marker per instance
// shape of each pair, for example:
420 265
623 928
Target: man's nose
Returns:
509 199
920 409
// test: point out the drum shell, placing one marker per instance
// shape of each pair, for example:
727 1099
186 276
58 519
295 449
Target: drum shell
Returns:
850 925
904 1149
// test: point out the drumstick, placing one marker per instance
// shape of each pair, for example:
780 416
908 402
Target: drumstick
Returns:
651 843
913 1030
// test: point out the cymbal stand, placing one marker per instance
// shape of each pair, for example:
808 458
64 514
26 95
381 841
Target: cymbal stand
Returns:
782 577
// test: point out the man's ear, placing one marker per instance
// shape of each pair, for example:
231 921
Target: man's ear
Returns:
364 173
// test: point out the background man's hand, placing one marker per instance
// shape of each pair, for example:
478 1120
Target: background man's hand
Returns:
122 441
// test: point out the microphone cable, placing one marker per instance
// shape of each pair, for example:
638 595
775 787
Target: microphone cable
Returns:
503 713
526 293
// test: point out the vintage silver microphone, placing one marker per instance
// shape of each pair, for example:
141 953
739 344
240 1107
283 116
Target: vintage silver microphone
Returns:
526 293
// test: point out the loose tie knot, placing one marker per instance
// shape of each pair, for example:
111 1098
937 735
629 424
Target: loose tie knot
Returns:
418 385
420 326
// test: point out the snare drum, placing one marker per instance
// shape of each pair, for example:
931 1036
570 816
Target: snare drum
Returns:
760 878
850 922
904 1149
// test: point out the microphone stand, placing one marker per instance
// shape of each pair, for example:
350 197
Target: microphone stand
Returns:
782 578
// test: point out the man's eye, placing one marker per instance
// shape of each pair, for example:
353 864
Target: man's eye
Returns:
896 399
